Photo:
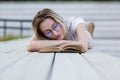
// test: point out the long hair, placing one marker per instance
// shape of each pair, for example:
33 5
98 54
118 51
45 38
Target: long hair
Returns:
41 16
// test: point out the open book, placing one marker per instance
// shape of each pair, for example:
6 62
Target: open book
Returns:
68 48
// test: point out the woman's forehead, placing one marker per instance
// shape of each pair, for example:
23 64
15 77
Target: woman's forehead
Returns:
47 23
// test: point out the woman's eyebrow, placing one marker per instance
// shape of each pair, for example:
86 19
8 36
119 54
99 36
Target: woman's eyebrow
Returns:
47 30
53 24
50 28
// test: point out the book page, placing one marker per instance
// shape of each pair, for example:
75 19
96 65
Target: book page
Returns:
73 47
50 49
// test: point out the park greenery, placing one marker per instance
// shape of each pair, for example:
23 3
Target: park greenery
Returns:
11 37
60 0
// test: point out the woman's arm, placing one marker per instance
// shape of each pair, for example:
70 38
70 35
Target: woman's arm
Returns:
82 36
35 44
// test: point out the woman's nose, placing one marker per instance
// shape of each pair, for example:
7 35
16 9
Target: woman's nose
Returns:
55 32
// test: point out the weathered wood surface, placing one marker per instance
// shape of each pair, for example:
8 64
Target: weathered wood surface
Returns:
17 64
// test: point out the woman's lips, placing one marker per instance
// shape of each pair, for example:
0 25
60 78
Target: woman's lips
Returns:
58 36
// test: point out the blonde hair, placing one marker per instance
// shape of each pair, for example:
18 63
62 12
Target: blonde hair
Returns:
41 16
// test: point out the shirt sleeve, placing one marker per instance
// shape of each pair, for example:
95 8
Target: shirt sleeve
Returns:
73 22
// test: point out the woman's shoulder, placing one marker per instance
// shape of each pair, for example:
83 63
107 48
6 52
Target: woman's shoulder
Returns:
74 18
72 23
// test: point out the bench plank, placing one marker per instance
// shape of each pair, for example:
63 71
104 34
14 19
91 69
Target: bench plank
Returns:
35 66
84 70
13 56
63 68
104 64
72 66
18 64
12 45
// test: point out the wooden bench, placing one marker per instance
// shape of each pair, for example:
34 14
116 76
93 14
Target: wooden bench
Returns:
18 64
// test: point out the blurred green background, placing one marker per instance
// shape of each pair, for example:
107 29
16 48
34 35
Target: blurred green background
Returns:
59 0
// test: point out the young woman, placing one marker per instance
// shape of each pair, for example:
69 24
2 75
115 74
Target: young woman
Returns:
51 29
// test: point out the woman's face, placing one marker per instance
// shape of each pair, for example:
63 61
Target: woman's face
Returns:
52 29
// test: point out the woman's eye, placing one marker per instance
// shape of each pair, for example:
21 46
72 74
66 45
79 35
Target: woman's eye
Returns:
55 26
48 32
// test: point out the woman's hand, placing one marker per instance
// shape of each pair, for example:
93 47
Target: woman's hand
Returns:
65 43
69 43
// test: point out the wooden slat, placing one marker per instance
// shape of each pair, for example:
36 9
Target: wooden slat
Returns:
18 64
106 65
8 46
72 66
85 71
35 66
10 54
63 68
13 56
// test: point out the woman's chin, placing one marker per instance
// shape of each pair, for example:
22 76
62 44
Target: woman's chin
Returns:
60 38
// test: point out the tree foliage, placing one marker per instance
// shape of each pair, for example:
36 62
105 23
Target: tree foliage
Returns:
59 0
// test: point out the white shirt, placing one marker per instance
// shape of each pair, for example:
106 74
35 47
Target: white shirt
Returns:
72 23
